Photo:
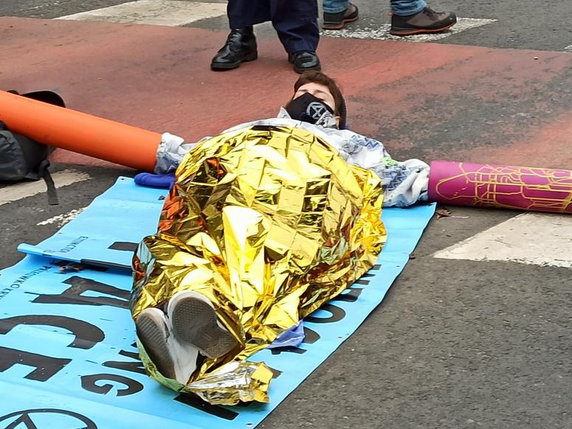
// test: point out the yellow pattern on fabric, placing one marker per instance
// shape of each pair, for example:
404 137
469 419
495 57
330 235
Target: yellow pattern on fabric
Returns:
510 187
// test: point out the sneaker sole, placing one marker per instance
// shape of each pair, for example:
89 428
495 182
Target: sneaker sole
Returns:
194 321
410 32
338 26
152 332
221 67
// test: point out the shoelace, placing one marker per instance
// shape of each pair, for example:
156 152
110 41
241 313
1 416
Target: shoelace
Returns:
430 13
427 11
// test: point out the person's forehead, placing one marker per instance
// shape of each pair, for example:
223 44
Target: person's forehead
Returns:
313 86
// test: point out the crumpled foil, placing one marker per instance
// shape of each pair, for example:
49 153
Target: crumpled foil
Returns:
268 223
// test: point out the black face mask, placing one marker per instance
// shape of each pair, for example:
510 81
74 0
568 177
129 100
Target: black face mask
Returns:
308 108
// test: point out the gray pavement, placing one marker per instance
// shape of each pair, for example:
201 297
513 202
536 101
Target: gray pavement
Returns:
455 344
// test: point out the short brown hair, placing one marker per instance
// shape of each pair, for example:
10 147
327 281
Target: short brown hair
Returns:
314 76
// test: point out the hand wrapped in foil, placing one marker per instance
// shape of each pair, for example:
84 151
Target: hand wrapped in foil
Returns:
267 223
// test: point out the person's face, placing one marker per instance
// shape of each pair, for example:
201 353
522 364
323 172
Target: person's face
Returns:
319 91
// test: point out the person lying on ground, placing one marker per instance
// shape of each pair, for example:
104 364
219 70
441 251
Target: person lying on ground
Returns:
264 223
318 106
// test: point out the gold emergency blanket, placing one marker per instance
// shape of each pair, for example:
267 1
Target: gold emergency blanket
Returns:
268 223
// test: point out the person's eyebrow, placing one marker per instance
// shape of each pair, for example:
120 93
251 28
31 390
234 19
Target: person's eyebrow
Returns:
317 91
326 93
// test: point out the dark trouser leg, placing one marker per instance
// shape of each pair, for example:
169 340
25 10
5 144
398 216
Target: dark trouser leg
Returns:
245 13
296 22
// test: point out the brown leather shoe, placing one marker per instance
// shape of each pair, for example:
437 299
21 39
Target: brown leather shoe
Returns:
337 21
426 21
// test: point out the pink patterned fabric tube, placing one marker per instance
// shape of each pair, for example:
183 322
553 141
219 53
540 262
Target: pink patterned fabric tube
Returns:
501 186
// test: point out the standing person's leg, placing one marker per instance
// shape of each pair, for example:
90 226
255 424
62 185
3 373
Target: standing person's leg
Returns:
337 13
246 13
335 6
296 22
415 17
240 44
407 7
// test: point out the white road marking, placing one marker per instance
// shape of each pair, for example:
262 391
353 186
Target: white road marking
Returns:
153 12
61 220
568 48
175 13
21 190
531 238
381 32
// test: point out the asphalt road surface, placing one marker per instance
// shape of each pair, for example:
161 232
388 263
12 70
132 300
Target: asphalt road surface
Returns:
477 340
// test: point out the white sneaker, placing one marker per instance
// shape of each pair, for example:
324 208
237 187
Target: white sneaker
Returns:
194 321
172 359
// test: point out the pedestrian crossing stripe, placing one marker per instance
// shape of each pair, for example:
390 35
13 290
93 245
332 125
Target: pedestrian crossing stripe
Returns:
381 32
173 13
18 191
153 12
530 238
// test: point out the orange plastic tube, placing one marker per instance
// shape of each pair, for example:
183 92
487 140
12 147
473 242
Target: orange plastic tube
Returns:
80 132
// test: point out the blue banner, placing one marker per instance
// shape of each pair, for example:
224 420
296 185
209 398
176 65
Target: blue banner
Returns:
67 340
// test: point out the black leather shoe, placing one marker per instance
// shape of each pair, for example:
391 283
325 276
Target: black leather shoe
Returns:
240 46
304 61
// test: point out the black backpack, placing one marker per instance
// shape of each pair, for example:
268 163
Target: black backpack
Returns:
22 158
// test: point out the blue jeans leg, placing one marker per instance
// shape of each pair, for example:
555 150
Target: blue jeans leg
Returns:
335 6
407 7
